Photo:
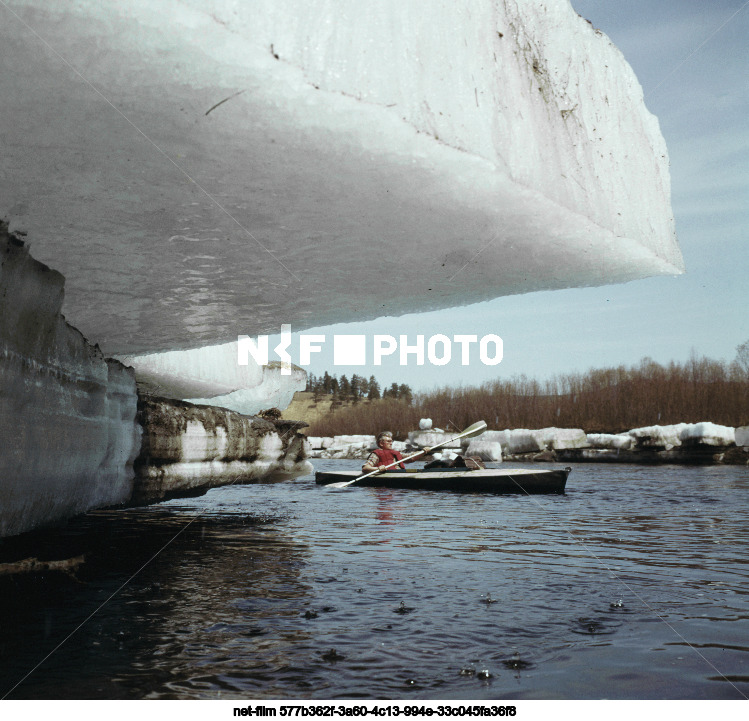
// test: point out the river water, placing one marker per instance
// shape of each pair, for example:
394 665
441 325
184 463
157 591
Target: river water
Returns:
633 585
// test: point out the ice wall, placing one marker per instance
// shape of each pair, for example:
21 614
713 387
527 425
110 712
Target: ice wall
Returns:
530 87
742 436
71 440
67 415
188 448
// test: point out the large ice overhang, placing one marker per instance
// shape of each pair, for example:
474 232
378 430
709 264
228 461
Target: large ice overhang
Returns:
370 159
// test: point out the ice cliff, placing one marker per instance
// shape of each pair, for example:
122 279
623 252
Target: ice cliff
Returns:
188 448
530 87
67 414
76 435
241 163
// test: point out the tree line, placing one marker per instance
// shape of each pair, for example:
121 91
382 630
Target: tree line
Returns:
355 388
603 400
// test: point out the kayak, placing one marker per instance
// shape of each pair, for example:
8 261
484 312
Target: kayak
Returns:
461 480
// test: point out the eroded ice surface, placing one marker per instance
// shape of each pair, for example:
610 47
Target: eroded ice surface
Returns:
680 433
67 414
212 376
506 143
491 445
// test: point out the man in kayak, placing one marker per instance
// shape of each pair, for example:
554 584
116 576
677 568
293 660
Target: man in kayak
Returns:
384 454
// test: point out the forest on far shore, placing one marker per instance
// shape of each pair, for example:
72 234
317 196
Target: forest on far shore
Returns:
603 400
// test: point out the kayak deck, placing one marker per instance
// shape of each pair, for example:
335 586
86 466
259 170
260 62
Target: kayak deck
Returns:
487 480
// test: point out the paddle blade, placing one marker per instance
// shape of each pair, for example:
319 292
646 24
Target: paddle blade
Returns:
475 430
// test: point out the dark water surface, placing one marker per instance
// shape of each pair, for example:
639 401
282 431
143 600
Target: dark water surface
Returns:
635 584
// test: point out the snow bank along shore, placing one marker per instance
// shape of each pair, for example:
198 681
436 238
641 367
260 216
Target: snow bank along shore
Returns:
689 443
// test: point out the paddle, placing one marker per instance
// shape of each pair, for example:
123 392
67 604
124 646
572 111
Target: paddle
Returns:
474 430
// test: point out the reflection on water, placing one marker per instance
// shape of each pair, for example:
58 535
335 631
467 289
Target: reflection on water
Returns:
220 601
632 585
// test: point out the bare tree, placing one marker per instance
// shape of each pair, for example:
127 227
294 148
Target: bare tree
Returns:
742 356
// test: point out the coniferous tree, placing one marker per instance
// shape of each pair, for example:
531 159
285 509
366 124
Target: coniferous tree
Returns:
374 389
356 387
404 393
345 388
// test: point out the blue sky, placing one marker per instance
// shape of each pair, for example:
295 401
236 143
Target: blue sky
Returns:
695 75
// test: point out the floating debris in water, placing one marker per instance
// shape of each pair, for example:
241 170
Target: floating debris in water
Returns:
516 663
333 656
489 600
617 604
403 608
594 627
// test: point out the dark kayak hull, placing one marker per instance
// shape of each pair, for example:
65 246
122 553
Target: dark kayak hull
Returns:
488 480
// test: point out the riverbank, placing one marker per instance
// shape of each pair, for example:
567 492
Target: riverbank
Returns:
685 443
